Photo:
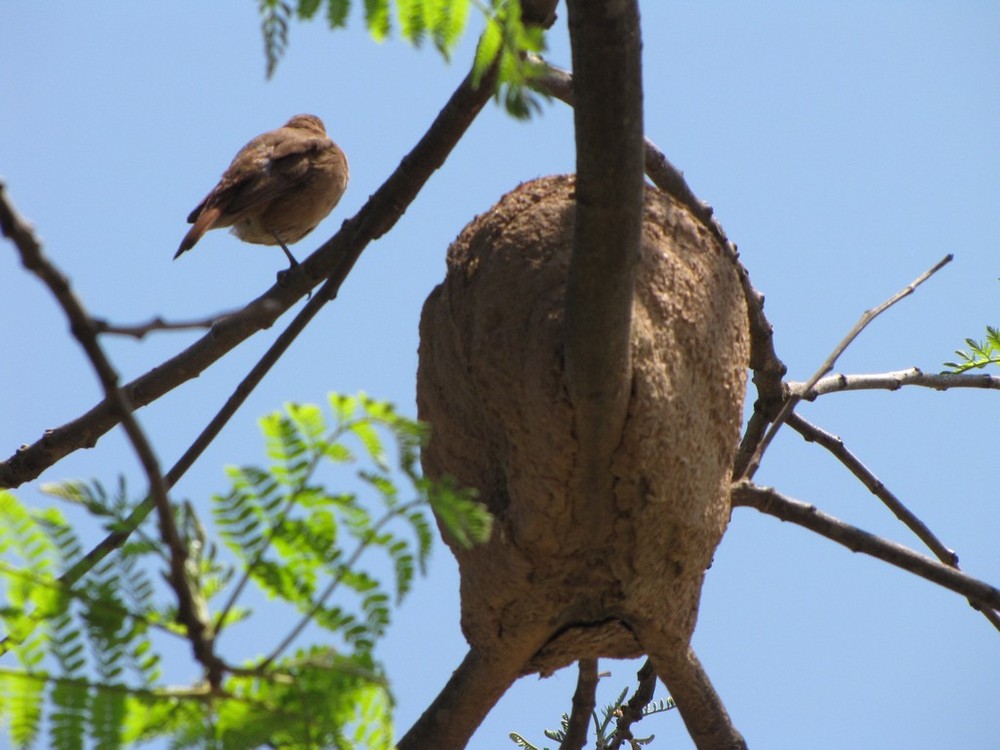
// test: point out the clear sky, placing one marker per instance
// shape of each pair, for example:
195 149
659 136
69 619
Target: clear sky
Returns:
846 148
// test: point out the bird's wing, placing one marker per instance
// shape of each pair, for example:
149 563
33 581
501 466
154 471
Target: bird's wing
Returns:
266 167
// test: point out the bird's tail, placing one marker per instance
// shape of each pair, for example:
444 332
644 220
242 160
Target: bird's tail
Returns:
204 221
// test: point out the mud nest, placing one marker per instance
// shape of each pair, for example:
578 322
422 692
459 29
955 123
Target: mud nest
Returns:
490 383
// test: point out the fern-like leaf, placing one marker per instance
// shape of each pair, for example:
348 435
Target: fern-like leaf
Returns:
377 19
68 717
21 697
981 354
274 18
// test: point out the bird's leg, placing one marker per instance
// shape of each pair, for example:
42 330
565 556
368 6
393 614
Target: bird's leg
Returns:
291 258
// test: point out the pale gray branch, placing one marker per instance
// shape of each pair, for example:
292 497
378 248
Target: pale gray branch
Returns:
891 381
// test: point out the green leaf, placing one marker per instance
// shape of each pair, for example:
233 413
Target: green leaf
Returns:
21 697
448 24
377 19
487 50
274 18
463 517
412 26
68 717
336 13
307 8
365 432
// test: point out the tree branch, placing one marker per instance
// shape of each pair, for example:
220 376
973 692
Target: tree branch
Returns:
632 712
188 612
892 381
333 260
836 446
140 330
584 700
463 703
606 45
702 710
867 317
768 500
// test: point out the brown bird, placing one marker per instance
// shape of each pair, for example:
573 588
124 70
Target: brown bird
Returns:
277 189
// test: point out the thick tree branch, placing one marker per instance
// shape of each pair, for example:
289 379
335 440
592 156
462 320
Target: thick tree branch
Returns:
463 703
584 700
333 260
607 63
702 710
769 501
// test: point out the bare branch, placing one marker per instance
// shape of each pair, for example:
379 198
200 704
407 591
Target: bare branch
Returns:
831 360
836 446
584 700
140 330
768 500
607 60
188 612
892 381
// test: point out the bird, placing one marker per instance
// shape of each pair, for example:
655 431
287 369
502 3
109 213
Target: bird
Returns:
277 189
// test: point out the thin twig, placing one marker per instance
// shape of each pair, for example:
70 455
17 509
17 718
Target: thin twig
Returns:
188 612
772 502
139 330
831 360
202 693
344 568
101 605
836 446
584 700
892 381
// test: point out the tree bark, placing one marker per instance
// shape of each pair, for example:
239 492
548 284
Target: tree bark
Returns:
704 714
463 703
607 67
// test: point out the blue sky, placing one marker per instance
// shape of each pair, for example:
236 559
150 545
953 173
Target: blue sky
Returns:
845 146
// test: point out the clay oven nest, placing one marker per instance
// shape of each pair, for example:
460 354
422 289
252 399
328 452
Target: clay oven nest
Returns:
490 384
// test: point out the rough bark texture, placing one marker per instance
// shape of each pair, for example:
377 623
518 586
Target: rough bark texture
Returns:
606 46
491 384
